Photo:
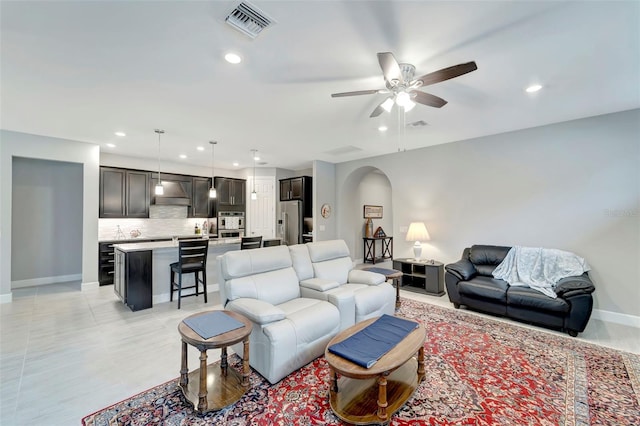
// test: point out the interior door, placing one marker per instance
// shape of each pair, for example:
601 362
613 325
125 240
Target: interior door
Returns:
261 213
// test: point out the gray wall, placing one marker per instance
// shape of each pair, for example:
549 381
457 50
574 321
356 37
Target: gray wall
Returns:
573 186
15 144
47 220
324 192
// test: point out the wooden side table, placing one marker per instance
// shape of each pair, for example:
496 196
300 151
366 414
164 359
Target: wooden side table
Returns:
214 386
370 249
389 274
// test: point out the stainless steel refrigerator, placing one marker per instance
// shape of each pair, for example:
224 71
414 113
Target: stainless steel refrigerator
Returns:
291 222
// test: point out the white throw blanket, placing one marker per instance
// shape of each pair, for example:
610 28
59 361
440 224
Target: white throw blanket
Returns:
539 268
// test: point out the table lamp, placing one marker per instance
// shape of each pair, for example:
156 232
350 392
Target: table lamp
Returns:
417 232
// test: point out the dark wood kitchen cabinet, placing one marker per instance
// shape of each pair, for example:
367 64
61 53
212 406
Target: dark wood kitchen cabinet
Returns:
298 188
201 204
134 278
123 193
230 194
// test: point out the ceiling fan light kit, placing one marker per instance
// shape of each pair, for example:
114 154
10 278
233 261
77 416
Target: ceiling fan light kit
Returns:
400 83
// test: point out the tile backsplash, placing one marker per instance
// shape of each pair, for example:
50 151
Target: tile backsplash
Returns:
164 221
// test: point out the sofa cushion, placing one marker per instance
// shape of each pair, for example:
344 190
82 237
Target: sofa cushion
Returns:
274 287
464 268
311 319
319 284
258 311
535 300
241 263
486 258
301 261
485 288
326 250
335 269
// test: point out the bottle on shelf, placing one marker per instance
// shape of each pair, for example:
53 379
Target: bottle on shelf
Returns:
197 230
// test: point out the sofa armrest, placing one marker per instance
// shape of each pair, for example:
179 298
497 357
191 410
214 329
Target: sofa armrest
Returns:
463 269
319 284
571 286
258 311
365 277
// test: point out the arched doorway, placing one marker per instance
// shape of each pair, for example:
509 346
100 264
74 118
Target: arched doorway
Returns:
364 186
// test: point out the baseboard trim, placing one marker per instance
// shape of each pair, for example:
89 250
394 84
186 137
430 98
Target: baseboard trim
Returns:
45 280
6 298
616 317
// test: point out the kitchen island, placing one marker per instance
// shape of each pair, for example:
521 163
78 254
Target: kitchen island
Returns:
142 272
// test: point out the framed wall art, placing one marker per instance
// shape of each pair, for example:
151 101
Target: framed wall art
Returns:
373 212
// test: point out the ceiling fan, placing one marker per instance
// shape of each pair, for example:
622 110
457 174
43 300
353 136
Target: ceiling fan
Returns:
401 86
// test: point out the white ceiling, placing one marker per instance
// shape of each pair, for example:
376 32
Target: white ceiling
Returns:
82 70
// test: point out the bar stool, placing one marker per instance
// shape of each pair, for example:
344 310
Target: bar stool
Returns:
192 258
250 242
271 243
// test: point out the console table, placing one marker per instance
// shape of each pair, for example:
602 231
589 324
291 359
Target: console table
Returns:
370 249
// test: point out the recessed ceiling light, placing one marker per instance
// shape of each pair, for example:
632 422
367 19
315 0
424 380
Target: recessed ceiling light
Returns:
233 58
200 148
110 145
236 164
121 134
533 88
383 128
183 156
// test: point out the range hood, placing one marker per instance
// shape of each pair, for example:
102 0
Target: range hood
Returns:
174 195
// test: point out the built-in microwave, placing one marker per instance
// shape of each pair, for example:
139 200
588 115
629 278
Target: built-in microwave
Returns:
230 220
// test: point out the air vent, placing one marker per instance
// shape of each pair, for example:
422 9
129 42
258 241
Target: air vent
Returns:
418 123
248 19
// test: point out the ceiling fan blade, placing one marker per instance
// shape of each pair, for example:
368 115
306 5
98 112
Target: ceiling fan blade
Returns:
376 112
447 73
390 68
356 93
427 99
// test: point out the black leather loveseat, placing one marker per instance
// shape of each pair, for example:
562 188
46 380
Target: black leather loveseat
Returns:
470 282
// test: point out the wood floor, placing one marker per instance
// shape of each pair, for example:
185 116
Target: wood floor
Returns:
65 353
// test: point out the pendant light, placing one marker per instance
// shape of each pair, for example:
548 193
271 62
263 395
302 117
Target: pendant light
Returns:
159 188
212 190
254 194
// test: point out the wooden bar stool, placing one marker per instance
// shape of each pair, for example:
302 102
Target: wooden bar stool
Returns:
192 259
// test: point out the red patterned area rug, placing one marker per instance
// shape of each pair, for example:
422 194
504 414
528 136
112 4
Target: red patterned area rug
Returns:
479 372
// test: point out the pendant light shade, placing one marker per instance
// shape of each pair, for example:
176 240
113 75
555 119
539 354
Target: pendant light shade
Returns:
159 189
212 190
254 194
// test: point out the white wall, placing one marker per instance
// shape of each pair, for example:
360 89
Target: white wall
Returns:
573 186
47 222
16 144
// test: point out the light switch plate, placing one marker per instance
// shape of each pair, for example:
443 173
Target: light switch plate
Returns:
322 227
404 229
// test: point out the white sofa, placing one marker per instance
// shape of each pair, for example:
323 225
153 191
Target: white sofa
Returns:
289 330
325 271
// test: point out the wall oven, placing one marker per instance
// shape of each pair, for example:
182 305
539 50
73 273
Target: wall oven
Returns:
230 233
230 224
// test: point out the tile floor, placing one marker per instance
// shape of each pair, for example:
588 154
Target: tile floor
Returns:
65 353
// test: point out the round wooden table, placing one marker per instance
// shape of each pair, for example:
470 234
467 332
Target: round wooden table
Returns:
373 395
214 386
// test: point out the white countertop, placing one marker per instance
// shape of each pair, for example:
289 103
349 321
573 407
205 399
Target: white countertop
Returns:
127 247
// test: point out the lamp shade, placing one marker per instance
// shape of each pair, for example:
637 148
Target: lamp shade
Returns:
417 232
